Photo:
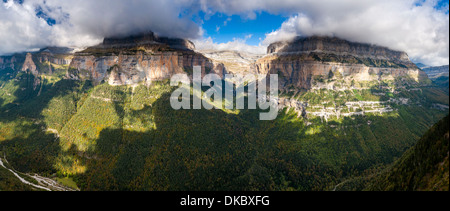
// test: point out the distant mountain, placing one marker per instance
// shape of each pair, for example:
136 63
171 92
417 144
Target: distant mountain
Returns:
439 76
425 167
421 65
235 62
436 72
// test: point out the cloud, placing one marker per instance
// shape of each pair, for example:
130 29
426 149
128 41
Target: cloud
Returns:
121 18
20 29
235 45
413 26
87 22
225 23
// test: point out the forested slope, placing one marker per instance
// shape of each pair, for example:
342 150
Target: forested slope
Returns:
425 167
129 138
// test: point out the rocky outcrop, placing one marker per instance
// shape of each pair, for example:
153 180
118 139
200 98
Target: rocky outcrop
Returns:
304 63
40 62
7 62
55 55
143 58
29 65
140 67
321 62
338 46
234 62
147 40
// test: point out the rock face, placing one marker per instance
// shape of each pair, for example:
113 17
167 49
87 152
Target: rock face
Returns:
149 41
55 55
41 62
143 58
29 65
234 62
339 47
7 62
315 62
304 63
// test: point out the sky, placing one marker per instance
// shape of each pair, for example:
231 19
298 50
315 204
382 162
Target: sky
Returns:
418 27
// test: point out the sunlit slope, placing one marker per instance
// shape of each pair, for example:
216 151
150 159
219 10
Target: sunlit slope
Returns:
129 138
126 138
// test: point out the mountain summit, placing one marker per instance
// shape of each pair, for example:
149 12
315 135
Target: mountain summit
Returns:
308 63
147 40
139 58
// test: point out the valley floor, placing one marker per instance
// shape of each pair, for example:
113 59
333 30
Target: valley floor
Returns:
43 183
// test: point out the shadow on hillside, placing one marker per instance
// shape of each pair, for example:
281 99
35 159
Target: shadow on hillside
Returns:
35 152
212 150
174 156
32 148
33 95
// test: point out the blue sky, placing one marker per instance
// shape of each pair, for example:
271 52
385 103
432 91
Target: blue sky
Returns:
222 28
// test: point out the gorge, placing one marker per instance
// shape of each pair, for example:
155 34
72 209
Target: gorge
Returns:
100 117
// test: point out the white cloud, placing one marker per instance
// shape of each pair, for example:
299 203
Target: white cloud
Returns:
225 23
235 45
20 29
86 22
120 18
413 26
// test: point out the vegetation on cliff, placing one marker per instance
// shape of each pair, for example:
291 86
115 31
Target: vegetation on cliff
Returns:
104 137
129 138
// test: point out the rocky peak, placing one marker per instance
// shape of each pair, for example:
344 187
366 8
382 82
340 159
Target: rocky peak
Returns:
337 46
332 63
131 40
139 58
147 41
235 62
29 65
57 50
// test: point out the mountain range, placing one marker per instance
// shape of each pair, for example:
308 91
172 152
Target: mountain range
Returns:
99 118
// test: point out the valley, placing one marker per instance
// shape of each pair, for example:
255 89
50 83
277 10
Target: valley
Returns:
39 183
102 117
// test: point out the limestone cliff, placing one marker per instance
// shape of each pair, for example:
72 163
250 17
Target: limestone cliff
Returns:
142 58
29 65
44 61
7 62
323 62
235 62
304 63
55 55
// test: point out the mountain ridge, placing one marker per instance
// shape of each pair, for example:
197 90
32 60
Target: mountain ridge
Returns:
335 45
425 167
306 49
98 119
